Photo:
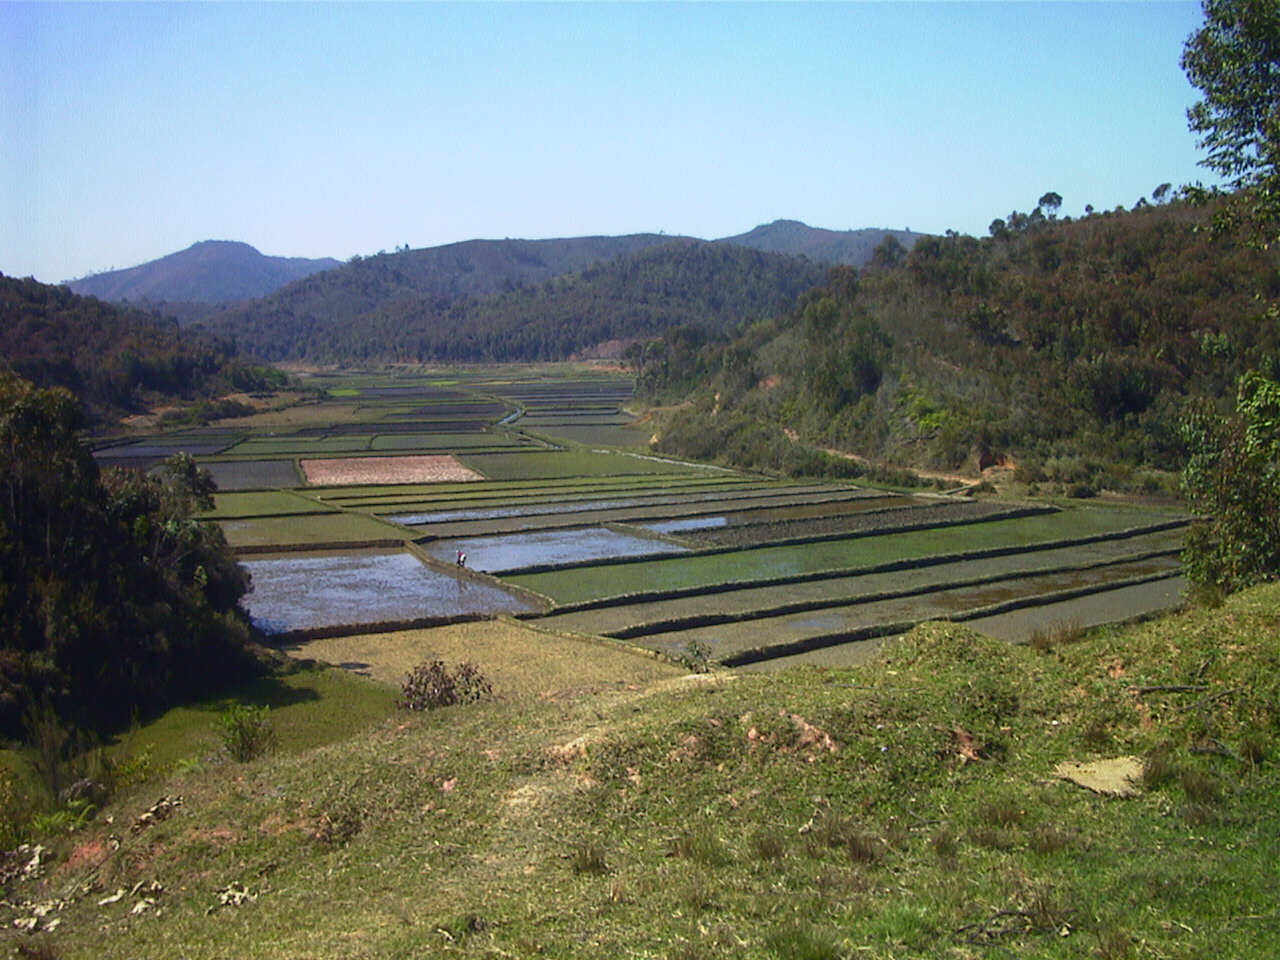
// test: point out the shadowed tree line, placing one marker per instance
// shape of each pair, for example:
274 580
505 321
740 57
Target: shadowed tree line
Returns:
116 359
114 600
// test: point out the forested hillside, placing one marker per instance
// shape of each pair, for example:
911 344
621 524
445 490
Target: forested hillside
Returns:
115 359
114 600
1066 347
513 300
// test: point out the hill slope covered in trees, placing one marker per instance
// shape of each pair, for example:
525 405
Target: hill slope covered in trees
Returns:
515 300
1068 347
114 359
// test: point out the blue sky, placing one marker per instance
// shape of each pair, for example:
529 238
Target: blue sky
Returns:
132 130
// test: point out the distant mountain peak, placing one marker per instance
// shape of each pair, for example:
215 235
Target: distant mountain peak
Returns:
825 246
208 271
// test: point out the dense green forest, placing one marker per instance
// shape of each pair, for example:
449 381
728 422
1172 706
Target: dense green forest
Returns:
115 359
114 600
381 310
1067 347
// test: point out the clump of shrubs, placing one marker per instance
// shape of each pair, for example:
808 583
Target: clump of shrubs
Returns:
432 685
246 732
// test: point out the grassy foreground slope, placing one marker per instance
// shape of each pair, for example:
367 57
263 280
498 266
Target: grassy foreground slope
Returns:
907 808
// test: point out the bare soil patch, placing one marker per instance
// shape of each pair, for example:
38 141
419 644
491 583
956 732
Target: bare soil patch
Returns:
350 471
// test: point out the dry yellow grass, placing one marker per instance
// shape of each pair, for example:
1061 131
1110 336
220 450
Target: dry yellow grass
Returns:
521 661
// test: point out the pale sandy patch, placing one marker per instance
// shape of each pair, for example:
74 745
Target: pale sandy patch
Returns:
439 468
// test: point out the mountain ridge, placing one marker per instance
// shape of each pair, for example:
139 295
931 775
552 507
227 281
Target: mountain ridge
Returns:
213 273
798 239
209 272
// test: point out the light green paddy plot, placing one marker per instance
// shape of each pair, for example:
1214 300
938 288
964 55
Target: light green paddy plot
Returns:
574 463
742 497
298 446
469 522
729 640
753 601
504 492
262 503
447 442
592 435
301 530
586 583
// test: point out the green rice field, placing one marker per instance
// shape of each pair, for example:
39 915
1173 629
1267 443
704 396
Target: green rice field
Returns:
600 538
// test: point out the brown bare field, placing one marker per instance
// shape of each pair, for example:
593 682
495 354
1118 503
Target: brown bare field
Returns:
348 471
522 662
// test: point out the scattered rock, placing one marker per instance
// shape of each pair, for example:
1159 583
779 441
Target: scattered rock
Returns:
234 894
966 745
25 862
158 812
1113 777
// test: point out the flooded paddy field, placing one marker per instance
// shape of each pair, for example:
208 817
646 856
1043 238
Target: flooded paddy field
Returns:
312 592
505 552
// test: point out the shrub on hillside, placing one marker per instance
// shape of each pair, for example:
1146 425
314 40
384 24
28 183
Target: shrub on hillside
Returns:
246 732
432 685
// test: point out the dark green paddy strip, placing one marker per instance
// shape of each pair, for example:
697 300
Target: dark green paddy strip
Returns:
724 569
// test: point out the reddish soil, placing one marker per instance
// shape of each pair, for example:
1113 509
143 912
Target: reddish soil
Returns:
361 470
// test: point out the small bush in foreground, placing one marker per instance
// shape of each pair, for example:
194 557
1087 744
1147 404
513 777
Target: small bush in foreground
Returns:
432 685
804 941
246 732
589 857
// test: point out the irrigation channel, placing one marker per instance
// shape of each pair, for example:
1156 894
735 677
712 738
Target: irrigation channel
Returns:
568 523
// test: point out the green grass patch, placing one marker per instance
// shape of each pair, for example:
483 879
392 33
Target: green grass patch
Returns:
571 463
504 492
309 706
257 503
298 446
445 442
289 531
908 808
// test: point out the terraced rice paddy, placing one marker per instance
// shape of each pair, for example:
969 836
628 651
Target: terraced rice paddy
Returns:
560 500
253 474
292 594
506 552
